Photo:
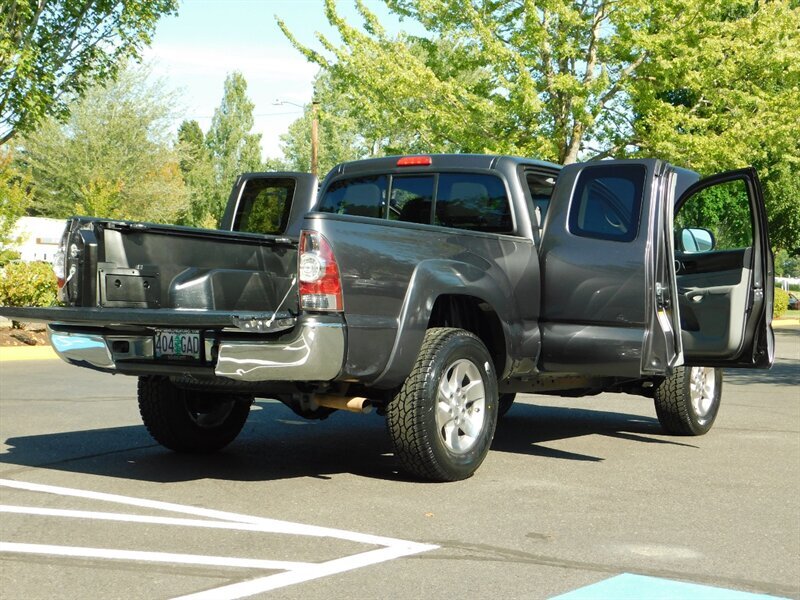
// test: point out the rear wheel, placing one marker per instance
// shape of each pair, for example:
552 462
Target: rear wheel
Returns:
443 420
188 421
687 402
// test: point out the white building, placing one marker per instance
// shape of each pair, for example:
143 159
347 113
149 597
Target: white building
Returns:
37 238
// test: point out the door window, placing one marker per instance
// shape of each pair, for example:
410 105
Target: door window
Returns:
541 189
607 202
715 218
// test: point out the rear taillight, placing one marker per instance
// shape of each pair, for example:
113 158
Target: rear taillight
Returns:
64 264
60 267
320 282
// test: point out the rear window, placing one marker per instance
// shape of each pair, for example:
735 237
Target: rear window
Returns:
412 199
359 196
472 201
264 206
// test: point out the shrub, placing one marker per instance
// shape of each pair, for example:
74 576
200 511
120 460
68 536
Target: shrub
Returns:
781 303
28 284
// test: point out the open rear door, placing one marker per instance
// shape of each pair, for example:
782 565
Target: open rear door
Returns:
608 283
724 269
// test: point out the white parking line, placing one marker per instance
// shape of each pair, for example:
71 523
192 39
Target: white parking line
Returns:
158 557
292 572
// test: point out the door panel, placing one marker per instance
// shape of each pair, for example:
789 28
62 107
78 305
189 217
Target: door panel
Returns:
603 255
725 280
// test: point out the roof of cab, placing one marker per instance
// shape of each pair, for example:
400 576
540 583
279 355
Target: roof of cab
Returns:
438 163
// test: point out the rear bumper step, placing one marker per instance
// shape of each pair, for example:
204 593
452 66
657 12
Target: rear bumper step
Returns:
313 351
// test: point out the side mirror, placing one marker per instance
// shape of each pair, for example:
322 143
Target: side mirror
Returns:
695 240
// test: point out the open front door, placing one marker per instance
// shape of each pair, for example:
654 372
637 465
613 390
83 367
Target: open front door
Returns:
724 269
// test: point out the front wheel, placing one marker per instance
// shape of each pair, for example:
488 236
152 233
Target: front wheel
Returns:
187 421
443 420
504 404
687 402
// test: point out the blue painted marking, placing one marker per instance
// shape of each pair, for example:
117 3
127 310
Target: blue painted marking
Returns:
639 587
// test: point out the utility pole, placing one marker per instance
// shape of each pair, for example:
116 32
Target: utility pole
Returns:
314 129
314 136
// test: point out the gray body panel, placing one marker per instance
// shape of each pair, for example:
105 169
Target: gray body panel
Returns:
393 273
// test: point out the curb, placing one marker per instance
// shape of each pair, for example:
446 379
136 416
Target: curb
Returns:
19 353
786 322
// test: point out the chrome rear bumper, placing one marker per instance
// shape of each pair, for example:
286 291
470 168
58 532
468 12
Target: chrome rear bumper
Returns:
313 351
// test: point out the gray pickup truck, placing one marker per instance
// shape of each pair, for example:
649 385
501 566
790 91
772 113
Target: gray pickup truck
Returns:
432 289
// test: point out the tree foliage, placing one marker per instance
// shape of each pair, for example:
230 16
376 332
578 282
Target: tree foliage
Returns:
192 140
342 136
787 265
198 173
721 91
708 84
113 158
542 79
233 148
51 51
15 198
28 284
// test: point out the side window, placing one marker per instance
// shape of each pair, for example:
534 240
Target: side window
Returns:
607 202
715 218
473 201
264 206
359 196
411 199
541 188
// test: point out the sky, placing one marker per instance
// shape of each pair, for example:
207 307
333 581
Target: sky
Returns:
194 51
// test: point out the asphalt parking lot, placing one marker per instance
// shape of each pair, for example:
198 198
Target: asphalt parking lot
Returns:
573 494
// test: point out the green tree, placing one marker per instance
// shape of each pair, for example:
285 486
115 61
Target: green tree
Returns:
192 140
233 148
53 50
113 158
198 173
341 134
782 195
721 91
15 198
709 84
787 265
544 79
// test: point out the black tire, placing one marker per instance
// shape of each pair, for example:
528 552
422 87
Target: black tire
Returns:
688 401
429 427
189 421
504 404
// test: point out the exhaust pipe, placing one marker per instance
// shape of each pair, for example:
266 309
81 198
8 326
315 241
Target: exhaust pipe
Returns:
354 404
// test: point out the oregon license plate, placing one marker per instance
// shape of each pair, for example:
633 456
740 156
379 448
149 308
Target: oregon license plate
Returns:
177 343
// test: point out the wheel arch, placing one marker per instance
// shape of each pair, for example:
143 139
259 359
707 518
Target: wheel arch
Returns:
444 293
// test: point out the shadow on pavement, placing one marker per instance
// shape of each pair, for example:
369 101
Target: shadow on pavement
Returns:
526 425
275 444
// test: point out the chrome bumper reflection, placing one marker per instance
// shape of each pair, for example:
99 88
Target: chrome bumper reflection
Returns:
82 349
314 352
100 351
